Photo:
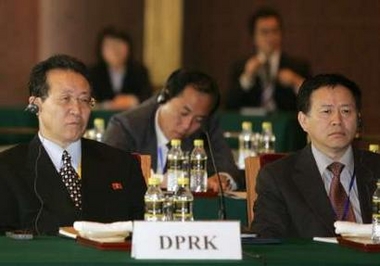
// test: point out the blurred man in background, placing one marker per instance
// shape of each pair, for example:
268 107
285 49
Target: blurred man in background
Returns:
268 78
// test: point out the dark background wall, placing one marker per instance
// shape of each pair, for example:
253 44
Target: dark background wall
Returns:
18 48
32 30
335 36
71 26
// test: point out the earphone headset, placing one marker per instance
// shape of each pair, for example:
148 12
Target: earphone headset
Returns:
176 83
171 85
163 96
32 108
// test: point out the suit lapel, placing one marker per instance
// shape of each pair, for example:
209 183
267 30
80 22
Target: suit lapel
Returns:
150 144
366 183
310 184
49 184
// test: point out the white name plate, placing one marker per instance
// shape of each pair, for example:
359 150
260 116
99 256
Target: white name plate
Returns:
204 240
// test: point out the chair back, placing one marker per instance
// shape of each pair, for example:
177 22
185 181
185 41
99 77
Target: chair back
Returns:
252 168
145 164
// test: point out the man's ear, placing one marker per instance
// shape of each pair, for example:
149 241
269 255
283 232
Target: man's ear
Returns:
302 120
37 101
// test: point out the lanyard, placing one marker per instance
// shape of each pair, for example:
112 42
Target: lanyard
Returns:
160 163
347 203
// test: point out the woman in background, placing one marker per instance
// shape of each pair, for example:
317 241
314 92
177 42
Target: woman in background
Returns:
119 82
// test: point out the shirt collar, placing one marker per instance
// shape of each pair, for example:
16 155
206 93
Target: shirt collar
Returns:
55 152
161 138
323 161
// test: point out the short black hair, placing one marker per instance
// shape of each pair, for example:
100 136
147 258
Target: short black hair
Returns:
181 78
37 84
264 12
112 32
325 80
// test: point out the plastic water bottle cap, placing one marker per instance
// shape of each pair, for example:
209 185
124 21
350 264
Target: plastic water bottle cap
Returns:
374 148
198 142
246 126
266 125
175 142
183 181
154 181
99 122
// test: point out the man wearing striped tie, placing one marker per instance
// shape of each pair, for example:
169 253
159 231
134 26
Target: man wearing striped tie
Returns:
303 194
59 177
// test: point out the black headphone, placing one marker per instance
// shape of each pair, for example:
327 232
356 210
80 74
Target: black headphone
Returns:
177 82
163 96
172 84
32 108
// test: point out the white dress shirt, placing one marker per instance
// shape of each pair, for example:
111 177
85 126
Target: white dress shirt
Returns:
347 174
55 153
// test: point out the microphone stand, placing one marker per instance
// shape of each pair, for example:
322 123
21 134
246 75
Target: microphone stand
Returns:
221 202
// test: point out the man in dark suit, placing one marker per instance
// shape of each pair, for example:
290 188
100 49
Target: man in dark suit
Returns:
188 100
303 194
268 78
59 177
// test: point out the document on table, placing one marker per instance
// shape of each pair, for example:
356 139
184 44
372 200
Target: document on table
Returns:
332 240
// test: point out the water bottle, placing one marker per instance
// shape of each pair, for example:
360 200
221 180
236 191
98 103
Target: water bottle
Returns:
183 201
198 172
174 163
374 148
376 214
99 129
267 138
246 138
154 201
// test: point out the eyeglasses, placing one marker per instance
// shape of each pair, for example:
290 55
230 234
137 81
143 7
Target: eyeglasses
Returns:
83 101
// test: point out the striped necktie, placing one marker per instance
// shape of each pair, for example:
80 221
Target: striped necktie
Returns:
338 196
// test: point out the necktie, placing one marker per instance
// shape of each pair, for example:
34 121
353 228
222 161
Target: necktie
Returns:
267 100
267 74
167 149
162 154
338 196
71 180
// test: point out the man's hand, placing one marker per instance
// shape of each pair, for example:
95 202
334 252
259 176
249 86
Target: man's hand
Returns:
125 101
121 102
213 183
288 77
252 65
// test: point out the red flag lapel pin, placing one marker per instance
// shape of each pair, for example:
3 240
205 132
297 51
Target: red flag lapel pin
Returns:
117 186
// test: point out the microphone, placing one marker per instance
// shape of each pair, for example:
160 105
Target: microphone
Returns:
221 203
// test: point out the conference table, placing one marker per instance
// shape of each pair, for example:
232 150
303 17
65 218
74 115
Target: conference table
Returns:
45 250
207 208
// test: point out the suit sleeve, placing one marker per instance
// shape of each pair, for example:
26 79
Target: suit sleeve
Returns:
118 134
8 210
271 218
222 153
238 97
235 92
